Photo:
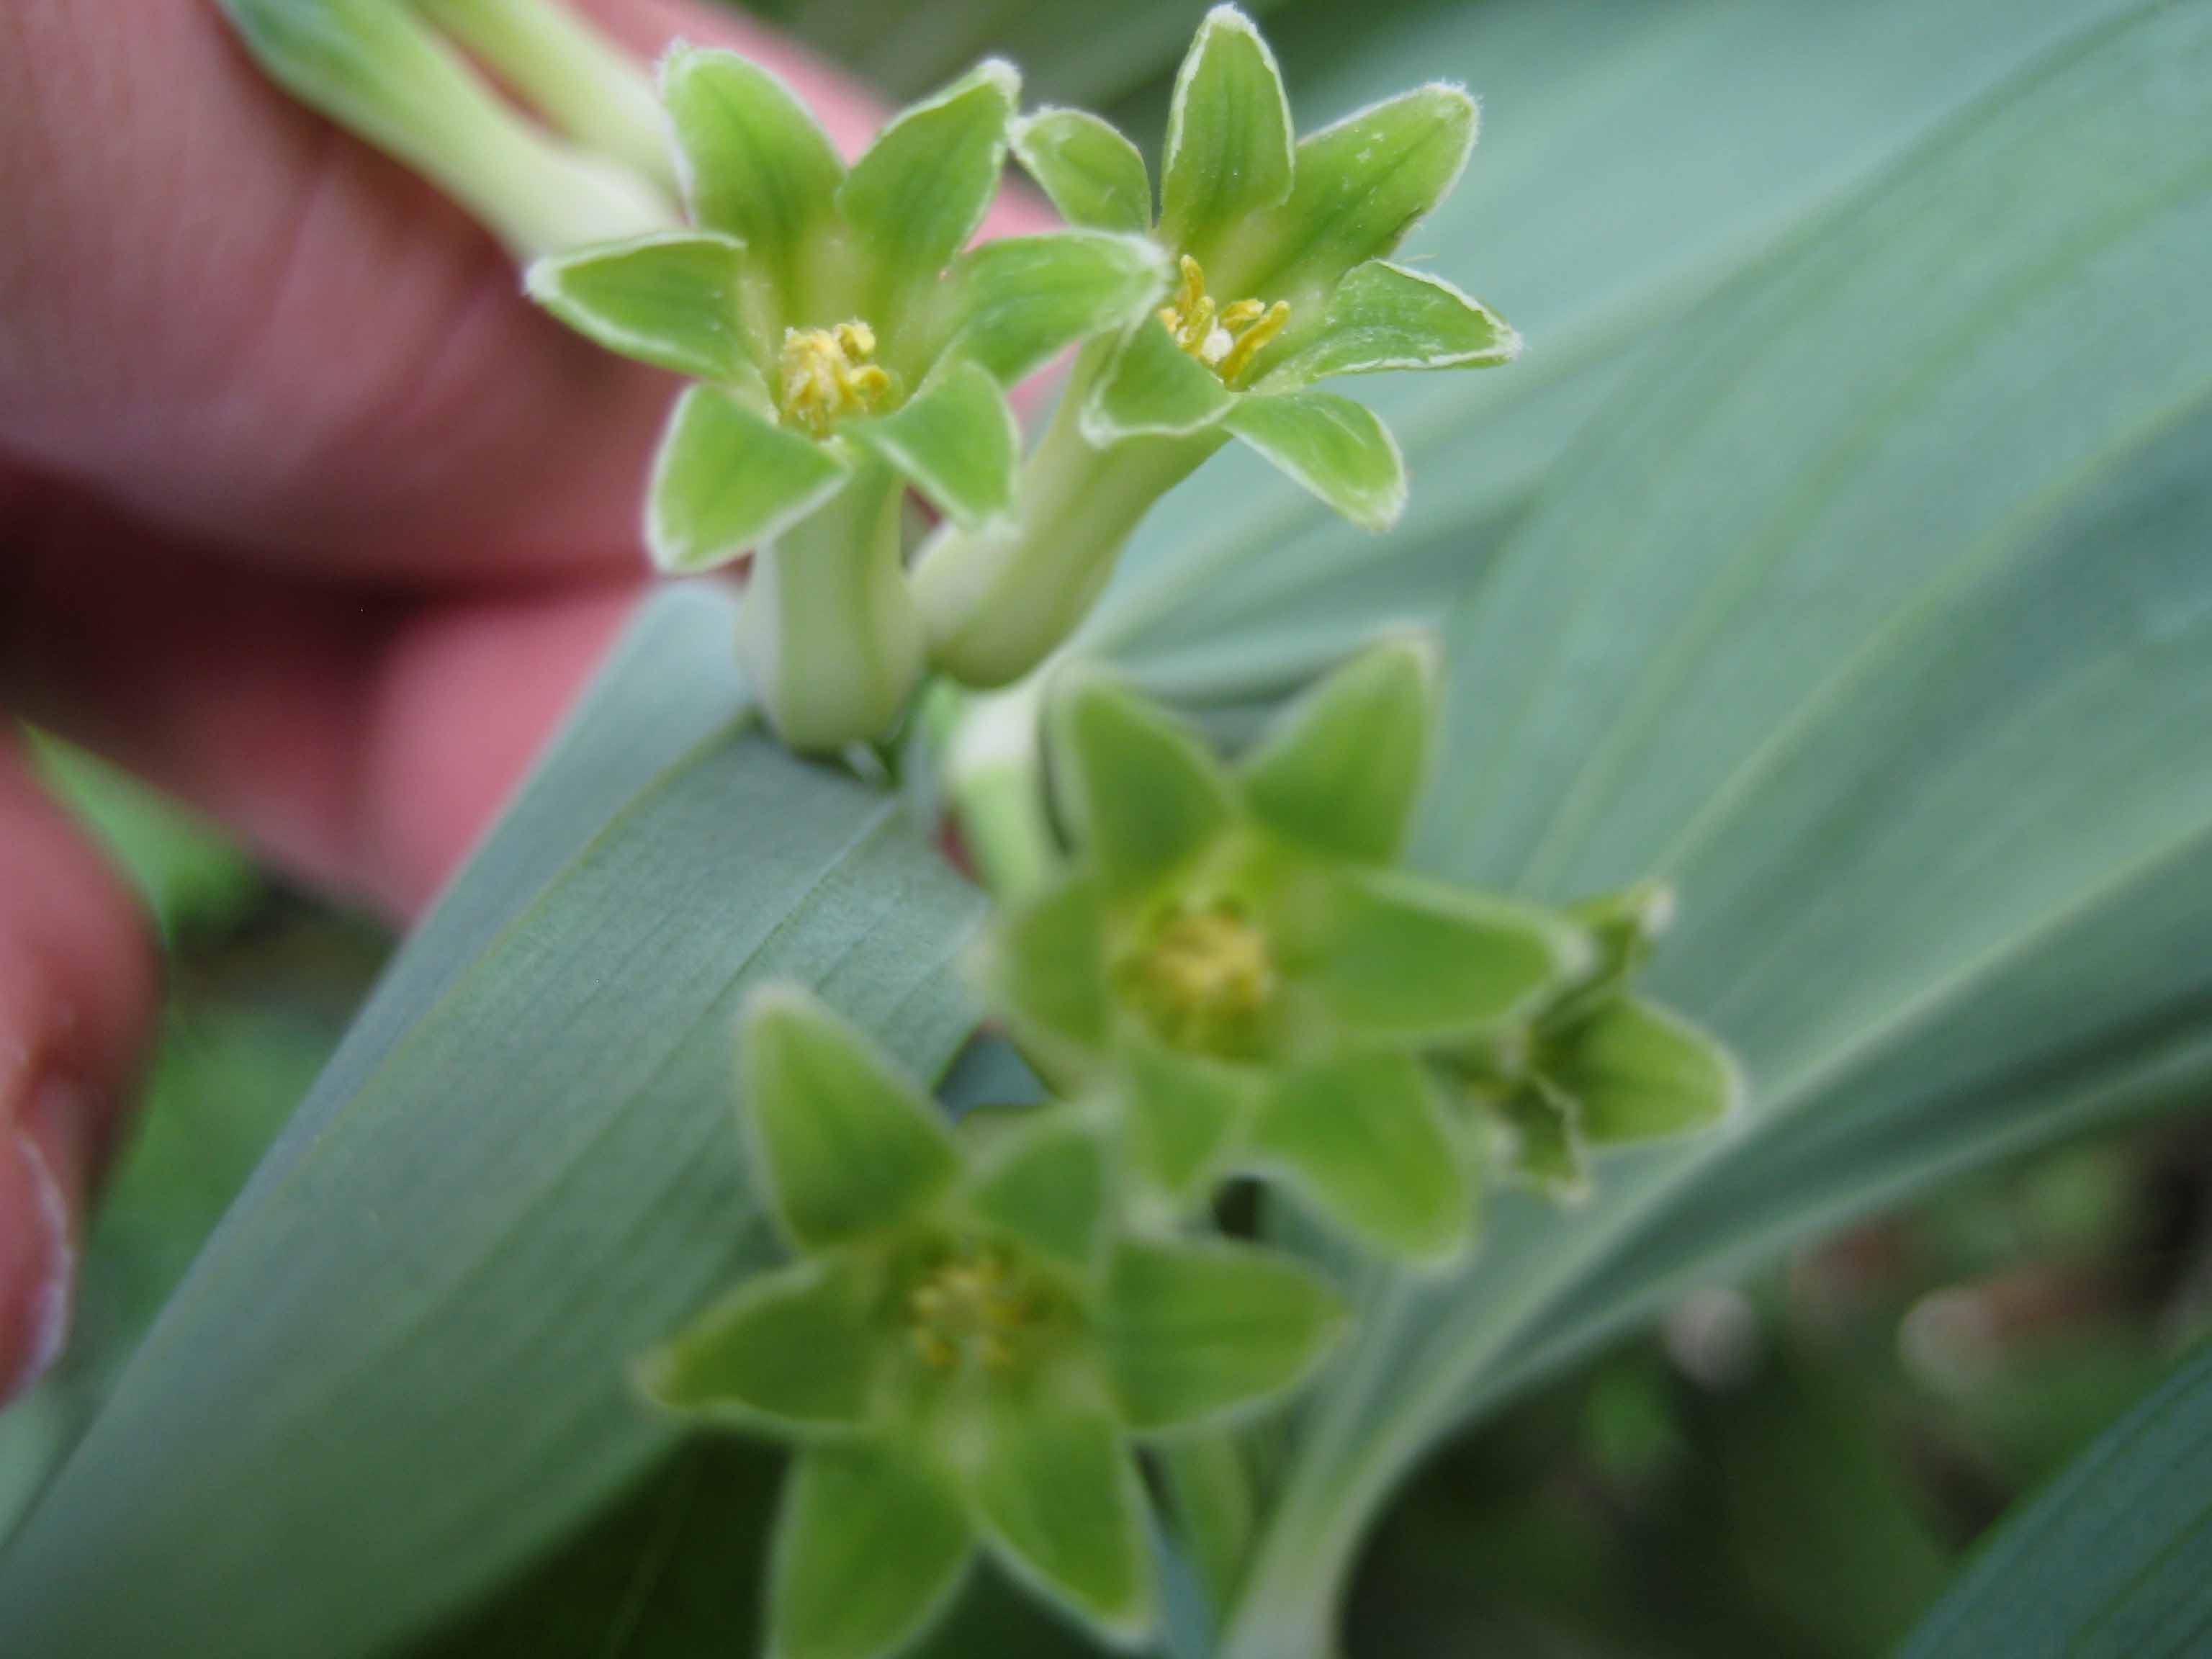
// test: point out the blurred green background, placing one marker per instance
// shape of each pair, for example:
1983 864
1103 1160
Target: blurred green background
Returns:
1789 1465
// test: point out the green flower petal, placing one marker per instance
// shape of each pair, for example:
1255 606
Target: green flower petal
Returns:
1363 185
1181 1112
1044 971
727 479
1342 769
758 165
1196 1332
673 300
1411 960
1153 388
1023 298
1093 175
848 1147
1229 135
923 187
956 442
1624 925
1145 793
1638 1070
869 1549
1545 1147
1336 448
1382 317
1058 1497
1044 1180
1366 1139
792 1351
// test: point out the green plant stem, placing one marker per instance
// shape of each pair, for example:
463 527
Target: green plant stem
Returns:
1210 1488
993 784
381 72
828 633
576 77
996 601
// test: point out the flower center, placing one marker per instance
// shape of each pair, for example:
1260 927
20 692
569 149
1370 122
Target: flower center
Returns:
1206 981
1225 339
968 1308
825 374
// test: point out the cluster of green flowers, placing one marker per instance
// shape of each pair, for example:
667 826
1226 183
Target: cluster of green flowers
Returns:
1230 979
845 343
1223 976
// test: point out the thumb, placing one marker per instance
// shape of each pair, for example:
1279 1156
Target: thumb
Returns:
77 994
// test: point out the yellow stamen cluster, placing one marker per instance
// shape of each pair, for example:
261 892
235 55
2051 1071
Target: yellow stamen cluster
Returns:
1227 338
826 373
1205 981
968 1307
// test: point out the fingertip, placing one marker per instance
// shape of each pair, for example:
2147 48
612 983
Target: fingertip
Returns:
78 991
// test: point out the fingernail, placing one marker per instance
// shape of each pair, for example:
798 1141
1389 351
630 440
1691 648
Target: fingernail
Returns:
40 1170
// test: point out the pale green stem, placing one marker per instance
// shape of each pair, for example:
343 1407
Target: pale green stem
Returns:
828 632
994 783
575 76
998 600
378 69
1210 1486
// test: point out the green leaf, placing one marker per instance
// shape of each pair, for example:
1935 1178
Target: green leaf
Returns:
758 165
1897 676
1181 1112
1383 316
1144 792
1363 185
1637 1070
1407 959
1229 135
2108 1561
1200 1333
728 479
1336 448
923 186
672 299
789 1351
1043 969
1153 388
956 442
869 1549
1093 175
1057 1495
518 1172
1366 1139
1045 1182
1342 769
1021 299
848 1146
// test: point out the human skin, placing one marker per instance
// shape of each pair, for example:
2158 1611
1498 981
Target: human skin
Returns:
305 515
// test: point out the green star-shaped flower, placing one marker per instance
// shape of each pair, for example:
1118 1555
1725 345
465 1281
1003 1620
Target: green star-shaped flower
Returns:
1279 247
1601 1066
1236 961
963 1348
842 342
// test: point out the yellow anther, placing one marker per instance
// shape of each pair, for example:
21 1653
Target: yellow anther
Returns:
1253 338
968 1307
825 374
1225 338
1205 980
